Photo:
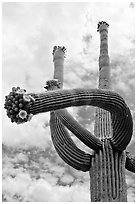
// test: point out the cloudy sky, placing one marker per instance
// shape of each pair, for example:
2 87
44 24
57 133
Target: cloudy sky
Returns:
30 30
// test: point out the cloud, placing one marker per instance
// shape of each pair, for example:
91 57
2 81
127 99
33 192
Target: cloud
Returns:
16 186
42 191
29 134
43 178
131 188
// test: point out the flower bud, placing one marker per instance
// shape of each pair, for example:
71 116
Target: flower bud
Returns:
20 105
16 109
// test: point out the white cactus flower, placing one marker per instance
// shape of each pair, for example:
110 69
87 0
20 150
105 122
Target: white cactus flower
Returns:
22 114
26 98
20 91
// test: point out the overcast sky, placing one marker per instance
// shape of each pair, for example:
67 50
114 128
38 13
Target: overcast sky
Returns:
30 30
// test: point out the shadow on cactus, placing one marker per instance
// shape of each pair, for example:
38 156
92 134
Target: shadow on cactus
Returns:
112 131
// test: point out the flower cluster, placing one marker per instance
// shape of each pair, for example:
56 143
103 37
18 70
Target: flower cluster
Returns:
102 23
55 48
52 83
17 104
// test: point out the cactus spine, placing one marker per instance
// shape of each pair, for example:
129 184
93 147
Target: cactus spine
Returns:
112 132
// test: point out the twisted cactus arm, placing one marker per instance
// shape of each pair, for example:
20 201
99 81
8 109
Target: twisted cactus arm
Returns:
60 99
78 130
65 146
122 131
130 162
85 136
61 139
121 117
104 99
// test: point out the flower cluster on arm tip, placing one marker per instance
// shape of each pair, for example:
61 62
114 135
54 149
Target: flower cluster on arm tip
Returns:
52 83
17 104
101 23
63 49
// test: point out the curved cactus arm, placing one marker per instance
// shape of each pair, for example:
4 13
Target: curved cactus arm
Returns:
62 142
65 146
78 130
130 162
104 99
122 131
108 100
59 99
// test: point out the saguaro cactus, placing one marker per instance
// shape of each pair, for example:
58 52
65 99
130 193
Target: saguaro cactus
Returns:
112 132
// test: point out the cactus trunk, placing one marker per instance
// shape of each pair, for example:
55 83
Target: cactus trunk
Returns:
108 166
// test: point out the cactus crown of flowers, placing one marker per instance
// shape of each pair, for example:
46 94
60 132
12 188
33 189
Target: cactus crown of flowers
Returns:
51 83
102 23
17 104
56 48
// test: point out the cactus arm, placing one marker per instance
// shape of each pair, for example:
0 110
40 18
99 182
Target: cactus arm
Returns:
61 139
78 130
108 100
60 99
85 136
104 64
101 98
122 129
130 162
58 59
65 146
